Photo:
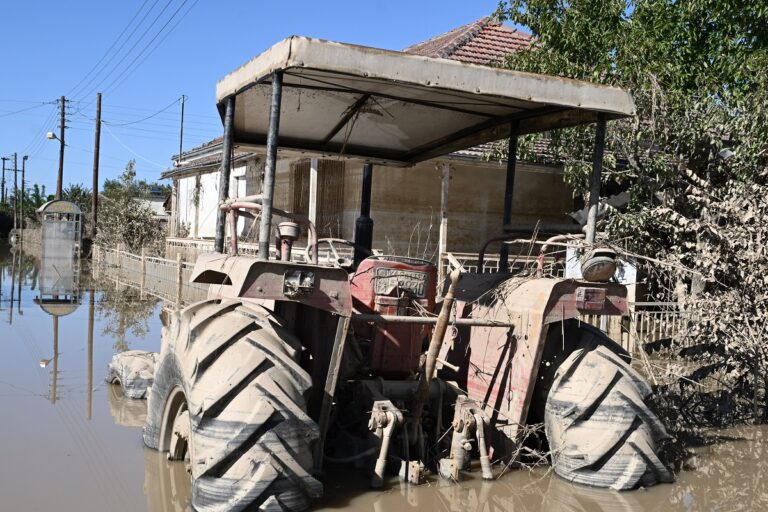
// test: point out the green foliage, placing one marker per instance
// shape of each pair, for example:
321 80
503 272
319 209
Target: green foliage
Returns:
80 195
697 70
128 185
124 220
695 160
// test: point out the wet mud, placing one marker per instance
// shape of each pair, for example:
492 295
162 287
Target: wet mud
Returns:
70 441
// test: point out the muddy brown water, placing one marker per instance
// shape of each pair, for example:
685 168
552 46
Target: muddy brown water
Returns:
69 443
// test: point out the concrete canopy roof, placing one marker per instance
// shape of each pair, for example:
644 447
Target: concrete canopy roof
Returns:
395 108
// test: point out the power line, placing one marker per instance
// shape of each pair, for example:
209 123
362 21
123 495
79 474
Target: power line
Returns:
117 52
130 50
146 118
6 114
109 131
146 47
114 43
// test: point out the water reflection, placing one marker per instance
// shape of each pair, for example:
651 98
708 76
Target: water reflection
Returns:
95 460
124 314
166 483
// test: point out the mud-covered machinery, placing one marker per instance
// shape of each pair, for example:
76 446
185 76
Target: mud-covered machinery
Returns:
374 362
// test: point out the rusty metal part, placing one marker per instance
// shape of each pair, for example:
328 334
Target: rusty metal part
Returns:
385 417
288 233
485 461
412 471
232 277
234 205
330 388
338 259
508 237
507 360
549 244
469 421
422 392
427 320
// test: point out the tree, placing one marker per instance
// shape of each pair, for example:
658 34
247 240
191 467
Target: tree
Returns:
127 185
694 158
80 195
125 220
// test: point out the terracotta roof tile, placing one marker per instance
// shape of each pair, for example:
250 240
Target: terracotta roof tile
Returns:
484 41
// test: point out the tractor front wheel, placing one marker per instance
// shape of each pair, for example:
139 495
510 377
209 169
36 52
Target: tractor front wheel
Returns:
229 396
599 428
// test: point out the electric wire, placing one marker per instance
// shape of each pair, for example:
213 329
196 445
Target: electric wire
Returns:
143 119
82 89
117 139
114 43
112 85
14 112
130 50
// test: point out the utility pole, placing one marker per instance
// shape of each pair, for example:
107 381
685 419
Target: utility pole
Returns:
2 200
21 204
15 191
95 186
62 126
181 129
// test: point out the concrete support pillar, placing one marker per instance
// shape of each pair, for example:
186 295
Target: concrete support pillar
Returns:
313 167
442 243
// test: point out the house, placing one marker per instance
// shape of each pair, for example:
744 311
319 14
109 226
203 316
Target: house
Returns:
408 205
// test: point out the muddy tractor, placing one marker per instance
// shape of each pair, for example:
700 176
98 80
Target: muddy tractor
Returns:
383 362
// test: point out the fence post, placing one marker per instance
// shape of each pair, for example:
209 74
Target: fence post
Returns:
142 279
179 282
119 262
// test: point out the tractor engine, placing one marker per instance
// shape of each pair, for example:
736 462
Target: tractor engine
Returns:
393 285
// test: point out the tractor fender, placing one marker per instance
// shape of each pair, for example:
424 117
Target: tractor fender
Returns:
504 361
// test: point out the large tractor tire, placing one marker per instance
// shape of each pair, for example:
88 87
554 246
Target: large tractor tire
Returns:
598 425
229 396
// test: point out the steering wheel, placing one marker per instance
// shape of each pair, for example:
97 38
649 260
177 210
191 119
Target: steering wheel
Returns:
338 260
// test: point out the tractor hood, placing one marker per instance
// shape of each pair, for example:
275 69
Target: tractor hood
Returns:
395 108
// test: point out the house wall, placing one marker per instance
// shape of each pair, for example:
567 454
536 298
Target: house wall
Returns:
405 202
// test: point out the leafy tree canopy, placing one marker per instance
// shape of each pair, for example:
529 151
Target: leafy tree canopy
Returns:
128 186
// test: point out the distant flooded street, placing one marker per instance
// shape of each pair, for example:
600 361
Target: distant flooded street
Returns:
72 442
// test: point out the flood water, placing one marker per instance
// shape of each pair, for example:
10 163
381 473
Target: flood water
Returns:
71 442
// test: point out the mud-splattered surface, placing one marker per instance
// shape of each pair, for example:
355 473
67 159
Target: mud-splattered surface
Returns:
73 443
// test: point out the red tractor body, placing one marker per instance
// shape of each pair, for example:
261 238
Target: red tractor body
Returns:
394 286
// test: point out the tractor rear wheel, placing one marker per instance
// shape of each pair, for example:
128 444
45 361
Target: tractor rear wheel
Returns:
229 369
599 428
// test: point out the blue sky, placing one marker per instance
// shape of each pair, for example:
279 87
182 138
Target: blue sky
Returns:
49 47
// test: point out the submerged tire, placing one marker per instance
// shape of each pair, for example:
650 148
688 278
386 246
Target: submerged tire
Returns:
599 428
232 366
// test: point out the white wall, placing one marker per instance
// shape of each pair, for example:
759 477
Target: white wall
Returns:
208 201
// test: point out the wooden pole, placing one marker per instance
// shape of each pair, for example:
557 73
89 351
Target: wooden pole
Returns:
95 183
